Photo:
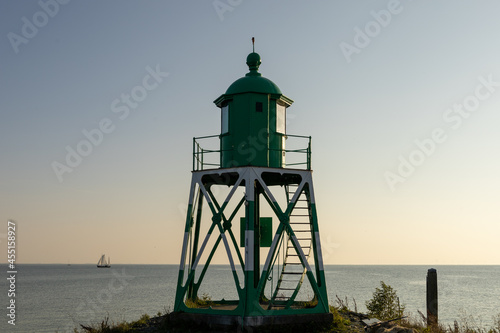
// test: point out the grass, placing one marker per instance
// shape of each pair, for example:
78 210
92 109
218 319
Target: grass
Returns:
345 320
203 302
340 323
106 327
344 306
466 324
307 304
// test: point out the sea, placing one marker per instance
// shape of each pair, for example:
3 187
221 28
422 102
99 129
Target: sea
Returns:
58 298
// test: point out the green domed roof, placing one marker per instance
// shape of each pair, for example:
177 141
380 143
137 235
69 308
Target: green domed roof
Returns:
253 81
256 84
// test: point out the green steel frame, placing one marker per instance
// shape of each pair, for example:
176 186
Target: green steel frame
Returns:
258 183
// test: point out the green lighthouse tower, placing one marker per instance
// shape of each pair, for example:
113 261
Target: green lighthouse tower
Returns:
255 181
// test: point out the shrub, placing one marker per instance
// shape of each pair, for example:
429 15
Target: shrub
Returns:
339 323
384 304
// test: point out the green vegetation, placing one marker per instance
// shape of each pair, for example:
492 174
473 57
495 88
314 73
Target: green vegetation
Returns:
339 323
344 306
307 304
106 327
466 324
203 302
384 304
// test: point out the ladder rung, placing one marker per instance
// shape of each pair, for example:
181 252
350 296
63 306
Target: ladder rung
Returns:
286 288
293 273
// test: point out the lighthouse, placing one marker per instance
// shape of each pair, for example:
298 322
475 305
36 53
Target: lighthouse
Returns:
252 203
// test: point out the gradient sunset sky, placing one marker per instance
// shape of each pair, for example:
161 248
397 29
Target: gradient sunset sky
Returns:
401 98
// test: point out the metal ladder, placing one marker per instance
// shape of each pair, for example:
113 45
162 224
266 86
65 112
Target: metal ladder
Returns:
292 272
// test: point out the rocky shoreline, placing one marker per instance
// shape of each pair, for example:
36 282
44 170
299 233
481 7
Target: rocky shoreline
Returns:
345 321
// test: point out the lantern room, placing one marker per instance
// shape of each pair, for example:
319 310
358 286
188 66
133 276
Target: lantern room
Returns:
253 120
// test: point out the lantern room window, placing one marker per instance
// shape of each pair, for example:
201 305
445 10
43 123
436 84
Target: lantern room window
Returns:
280 119
225 119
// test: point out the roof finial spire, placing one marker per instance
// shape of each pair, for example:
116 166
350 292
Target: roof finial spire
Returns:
253 61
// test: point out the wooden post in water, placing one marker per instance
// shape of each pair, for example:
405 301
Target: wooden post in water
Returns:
432 297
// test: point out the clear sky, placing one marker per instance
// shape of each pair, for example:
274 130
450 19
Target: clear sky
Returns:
401 98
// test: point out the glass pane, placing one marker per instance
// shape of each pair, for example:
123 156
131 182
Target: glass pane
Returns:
225 119
280 119
283 153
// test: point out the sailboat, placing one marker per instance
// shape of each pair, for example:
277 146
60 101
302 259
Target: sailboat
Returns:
102 262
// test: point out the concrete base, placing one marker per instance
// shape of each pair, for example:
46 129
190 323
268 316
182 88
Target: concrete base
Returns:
297 323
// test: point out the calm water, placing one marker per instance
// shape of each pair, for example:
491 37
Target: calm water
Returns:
52 298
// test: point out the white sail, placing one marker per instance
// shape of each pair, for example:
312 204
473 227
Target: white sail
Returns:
102 262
